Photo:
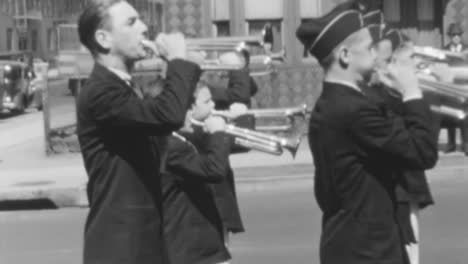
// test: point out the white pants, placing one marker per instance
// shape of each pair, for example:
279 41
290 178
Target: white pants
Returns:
413 248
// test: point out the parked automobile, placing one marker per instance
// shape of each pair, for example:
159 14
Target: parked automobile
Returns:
18 88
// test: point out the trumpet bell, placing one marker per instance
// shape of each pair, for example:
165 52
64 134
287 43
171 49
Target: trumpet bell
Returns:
449 111
451 98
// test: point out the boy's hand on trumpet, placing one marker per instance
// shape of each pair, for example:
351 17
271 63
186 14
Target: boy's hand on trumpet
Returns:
237 109
197 57
231 58
214 124
442 72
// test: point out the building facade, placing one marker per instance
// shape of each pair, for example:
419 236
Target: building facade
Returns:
31 25
34 21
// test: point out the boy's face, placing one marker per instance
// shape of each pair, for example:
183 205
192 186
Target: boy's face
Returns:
203 105
405 55
384 54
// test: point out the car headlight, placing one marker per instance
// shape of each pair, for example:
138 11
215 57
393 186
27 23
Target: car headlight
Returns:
7 68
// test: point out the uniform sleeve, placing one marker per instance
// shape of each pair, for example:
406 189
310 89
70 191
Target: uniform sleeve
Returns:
163 113
238 90
211 166
408 139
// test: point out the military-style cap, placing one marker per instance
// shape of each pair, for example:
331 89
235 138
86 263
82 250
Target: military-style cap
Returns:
322 35
375 22
394 36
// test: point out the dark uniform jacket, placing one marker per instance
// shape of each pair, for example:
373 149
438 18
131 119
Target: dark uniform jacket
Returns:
239 90
241 87
224 192
115 130
357 146
192 224
412 185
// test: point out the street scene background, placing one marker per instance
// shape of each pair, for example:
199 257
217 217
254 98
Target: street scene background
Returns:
42 199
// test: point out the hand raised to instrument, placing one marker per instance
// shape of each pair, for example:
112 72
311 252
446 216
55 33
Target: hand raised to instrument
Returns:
231 58
172 45
381 76
214 124
153 49
442 72
197 57
237 109
402 73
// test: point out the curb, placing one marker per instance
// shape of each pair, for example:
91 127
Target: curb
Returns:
74 194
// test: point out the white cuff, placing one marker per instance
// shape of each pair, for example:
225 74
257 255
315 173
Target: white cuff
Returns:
413 96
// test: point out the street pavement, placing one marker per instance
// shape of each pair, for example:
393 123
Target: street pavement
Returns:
27 175
283 226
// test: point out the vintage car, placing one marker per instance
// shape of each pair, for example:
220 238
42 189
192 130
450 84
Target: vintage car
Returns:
17 88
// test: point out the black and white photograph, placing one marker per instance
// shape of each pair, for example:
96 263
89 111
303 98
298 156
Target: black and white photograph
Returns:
233 131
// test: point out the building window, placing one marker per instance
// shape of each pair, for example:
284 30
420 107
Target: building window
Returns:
420 14
51 39
34 40
23 42
255 28
9 39
222 28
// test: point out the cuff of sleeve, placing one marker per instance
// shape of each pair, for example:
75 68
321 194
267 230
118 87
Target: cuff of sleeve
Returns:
410 97
416 106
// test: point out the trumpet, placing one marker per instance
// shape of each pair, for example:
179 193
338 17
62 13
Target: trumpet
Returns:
455 94
449 111
155 62
431 53
260 141
224 43
286 114
158 64
268 112
301 111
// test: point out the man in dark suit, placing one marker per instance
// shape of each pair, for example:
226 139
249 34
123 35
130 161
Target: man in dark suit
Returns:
116 129
456 44
358 146
241 87
192 223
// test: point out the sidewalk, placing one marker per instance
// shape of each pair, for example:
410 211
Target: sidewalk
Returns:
62 179
28 174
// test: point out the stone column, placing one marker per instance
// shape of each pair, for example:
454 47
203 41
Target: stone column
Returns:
237 14
291 20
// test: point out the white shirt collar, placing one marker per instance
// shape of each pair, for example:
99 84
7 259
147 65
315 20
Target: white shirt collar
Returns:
345 83
121 74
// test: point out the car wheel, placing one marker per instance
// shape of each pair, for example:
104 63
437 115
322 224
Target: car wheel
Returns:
20 103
